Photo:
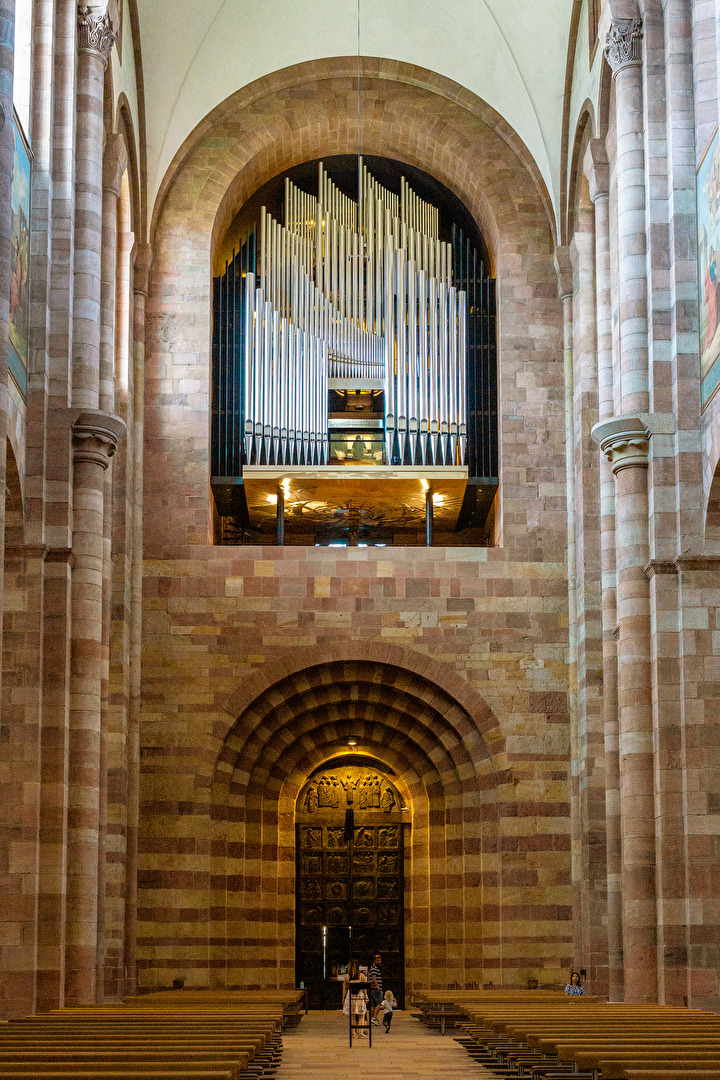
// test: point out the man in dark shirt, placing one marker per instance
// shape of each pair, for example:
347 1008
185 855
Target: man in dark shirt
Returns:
376 990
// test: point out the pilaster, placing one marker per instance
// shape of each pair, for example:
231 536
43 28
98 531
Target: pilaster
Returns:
625 441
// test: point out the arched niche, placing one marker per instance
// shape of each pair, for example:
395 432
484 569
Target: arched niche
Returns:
306 112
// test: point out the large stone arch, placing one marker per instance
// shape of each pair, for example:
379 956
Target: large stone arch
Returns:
306 112
295 720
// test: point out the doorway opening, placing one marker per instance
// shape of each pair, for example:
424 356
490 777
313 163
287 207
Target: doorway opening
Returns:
350 822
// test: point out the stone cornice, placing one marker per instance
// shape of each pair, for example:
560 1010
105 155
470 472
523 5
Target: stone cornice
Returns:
625 441
27 551
623 45
681 563
60 555
660 566
709 563
95 32
95 437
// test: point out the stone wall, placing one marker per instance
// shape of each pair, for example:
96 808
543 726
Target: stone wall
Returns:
491 825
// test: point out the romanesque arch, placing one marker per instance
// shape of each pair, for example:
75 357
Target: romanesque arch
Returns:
429 740
303 113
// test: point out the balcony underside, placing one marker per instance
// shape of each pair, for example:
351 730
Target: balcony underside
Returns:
359 505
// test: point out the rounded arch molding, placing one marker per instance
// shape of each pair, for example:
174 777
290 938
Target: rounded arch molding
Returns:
301 114
436 688
309 110
432 731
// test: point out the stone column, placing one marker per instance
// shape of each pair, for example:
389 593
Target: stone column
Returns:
57 467
95 435
7 36
598 179
623 51
625 441
95 41
114 164
142 264
563 268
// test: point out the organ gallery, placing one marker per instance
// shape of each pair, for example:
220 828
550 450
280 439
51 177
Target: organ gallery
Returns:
346 336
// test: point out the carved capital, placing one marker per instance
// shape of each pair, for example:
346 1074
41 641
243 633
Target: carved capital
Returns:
625 442
597 170
563 269
143 259
115 161
95 437
95 32
623 44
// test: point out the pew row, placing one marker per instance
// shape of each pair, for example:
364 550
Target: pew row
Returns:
228 1037
601 1041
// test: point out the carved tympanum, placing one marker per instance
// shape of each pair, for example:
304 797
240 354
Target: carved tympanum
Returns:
361 789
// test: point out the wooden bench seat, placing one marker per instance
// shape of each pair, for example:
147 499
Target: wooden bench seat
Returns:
614 1065
117 1055
230 1038
554 1041
125 1074
146 1069
668 1074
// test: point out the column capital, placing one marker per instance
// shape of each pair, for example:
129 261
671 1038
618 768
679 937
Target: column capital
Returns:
95 436
95 31
597 170
623 44
115 162
625 442
564 271
143 259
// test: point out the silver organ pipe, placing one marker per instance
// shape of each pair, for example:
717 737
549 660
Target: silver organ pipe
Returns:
354 290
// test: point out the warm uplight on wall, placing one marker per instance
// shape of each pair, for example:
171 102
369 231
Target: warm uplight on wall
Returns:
437 500
272 499
285 485
425 485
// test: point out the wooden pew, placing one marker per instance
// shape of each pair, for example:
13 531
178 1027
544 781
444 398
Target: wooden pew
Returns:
611 1038
669 1074
122 1074
89 1069
223 1039
228 1034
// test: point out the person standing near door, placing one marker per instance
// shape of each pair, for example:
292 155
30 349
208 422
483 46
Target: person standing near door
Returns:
376 994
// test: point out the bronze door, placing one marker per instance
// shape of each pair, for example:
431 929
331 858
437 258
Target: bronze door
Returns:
349 896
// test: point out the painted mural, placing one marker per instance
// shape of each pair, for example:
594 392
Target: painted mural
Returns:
708 211
20 237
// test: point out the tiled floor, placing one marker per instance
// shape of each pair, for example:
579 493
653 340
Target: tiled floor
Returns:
319 1048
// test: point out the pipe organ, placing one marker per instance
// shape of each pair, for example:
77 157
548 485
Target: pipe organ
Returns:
346 296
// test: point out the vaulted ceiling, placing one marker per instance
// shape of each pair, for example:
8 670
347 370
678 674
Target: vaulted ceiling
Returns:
510 53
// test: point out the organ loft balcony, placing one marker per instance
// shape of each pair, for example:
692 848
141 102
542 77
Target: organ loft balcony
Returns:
354 381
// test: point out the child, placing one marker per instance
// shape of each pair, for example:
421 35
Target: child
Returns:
389 1003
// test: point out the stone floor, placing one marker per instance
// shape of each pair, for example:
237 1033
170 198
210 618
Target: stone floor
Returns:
319 1048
